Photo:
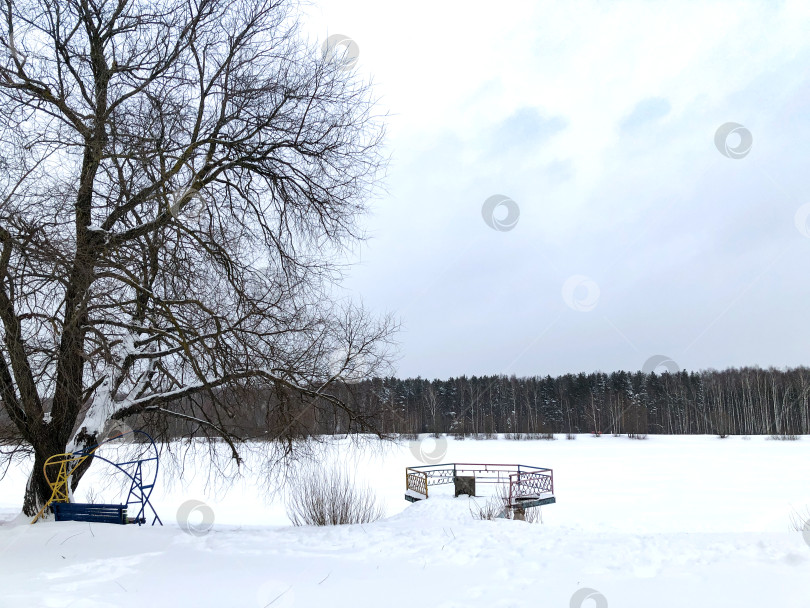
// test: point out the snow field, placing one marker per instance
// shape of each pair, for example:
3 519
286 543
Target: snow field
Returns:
668 521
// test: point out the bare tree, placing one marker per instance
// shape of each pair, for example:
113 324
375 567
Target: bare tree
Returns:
176 181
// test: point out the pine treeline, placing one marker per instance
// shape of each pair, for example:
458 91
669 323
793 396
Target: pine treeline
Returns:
746 401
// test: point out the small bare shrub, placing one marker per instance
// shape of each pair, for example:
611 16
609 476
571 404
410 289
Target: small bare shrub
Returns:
527 436
637 435
482 435
497 507
533 515
491 509
784 437
329 497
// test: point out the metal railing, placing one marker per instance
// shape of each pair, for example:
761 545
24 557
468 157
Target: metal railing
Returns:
416 481
526 483
530 485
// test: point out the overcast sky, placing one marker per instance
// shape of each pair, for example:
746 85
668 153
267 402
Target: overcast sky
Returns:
636 235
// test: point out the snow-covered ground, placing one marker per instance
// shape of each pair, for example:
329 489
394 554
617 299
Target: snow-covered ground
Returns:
669 521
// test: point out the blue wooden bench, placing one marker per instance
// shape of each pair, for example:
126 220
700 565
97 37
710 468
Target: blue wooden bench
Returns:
77 511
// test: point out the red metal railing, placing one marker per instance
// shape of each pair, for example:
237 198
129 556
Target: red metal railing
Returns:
530 485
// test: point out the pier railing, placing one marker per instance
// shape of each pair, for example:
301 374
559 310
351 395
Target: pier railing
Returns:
528 486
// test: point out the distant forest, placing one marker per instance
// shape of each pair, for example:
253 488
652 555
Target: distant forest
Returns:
745 401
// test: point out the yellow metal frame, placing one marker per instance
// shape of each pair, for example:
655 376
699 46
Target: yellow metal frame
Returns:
421 476
59 487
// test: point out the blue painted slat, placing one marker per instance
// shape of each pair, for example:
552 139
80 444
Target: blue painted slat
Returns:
102 513
77 506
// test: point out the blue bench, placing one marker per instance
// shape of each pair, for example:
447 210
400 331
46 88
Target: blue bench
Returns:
77 511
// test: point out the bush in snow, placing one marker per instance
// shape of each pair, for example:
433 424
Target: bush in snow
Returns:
494 508
497 507
329 497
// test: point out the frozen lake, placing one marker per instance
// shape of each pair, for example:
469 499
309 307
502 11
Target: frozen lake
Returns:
667 521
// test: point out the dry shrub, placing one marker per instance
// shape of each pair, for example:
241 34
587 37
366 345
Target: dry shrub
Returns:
491 509
497 507
321 496
533 515
784 437
526 436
